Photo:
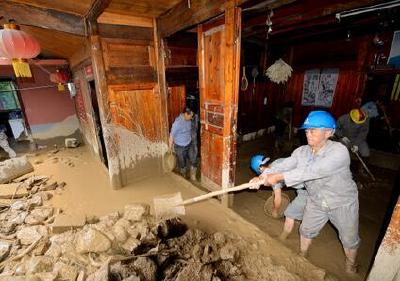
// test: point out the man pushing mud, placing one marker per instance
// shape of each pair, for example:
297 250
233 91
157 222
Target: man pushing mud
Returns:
324 167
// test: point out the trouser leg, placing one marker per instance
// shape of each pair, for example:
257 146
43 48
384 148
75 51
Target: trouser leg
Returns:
8 149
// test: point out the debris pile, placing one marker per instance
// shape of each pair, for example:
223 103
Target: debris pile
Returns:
129 245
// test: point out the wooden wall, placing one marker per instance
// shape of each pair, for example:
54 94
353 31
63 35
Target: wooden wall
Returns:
354 60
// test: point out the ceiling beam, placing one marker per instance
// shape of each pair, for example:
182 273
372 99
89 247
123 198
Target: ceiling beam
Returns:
112 18
181 16
306 11
96 9
45 18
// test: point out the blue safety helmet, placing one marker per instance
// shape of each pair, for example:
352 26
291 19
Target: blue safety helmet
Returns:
256 161
319 119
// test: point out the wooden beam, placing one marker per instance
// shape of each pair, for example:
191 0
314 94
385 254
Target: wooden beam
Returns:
124 31
112 18
181 16
80 56
44 18
96 9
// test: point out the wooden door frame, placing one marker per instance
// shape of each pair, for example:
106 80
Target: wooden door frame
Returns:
231 23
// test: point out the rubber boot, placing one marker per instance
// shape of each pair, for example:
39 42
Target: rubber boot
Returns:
193 172
183 172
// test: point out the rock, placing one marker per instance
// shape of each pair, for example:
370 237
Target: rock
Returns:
47 276
210 254
92 240
7 227
39 215
132 278
146 268
130 245
28 235
17 217
81 276
219 238
136 212
119 271
37 162
13 168
65 240
41 248
19 205
99 275
35 201
138 230
195 272
65 222
12 278
4 249
45 195
229 252
38 264
54 251
120 233
65 272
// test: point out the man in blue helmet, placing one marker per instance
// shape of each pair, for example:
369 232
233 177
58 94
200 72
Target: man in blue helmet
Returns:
295 209
324 167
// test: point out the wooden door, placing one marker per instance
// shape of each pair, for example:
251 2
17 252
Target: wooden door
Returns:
219 55
176 102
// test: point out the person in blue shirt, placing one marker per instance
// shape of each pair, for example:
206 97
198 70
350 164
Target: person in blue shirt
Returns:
180 140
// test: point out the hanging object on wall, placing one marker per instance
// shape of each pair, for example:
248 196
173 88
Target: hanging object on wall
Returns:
18 46
279 72
61 76
254 74
245 82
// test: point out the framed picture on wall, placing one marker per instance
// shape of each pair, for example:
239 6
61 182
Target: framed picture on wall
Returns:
319 87
394 56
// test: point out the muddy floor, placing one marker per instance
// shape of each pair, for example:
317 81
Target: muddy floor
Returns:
87 195
326 251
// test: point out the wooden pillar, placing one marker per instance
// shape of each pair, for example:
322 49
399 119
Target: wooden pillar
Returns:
162 83
114 167
231 74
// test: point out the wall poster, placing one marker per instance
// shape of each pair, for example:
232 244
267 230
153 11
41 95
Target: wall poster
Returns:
319 87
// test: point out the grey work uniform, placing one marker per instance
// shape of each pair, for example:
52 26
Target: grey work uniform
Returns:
356 133
295 209
332 192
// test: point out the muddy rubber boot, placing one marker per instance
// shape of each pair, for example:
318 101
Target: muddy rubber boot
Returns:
193 172
183 172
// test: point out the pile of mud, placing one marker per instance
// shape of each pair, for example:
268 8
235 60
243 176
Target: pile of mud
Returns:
131 245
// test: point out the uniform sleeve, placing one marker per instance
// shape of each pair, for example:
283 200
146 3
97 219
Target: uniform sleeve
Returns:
339 126
174 128
285 164
333 162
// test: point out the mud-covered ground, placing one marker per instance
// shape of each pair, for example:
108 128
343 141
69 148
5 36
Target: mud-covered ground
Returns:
326 251
217 245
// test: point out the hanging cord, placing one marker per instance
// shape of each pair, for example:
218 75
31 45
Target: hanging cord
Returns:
30 88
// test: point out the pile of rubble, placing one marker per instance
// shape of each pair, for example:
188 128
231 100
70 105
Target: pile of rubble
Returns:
124 246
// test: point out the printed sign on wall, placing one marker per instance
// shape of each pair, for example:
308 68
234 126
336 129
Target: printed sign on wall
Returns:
319 87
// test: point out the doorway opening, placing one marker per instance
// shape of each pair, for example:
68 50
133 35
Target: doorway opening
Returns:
98 125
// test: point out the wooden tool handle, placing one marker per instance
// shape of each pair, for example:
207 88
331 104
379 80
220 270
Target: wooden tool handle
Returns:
220 192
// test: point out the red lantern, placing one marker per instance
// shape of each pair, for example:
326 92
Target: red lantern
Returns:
61 77
18 46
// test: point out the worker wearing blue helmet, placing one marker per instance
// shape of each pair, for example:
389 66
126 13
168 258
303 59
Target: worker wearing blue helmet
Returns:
323 166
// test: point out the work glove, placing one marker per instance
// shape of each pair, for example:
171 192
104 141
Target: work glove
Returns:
256 186
354 148
345 141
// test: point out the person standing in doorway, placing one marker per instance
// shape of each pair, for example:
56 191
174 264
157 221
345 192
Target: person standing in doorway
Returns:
4 142
180 140
324 167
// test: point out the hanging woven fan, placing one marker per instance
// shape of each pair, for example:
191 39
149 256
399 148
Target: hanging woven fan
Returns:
279 72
